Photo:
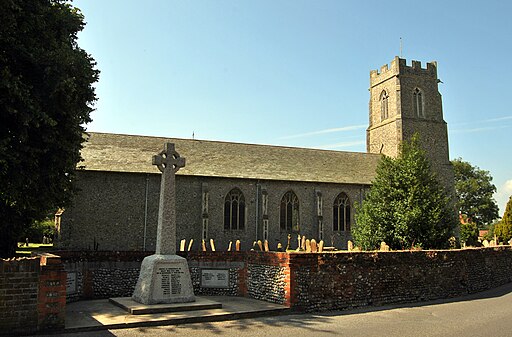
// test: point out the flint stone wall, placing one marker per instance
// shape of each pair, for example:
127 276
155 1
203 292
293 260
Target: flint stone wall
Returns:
319 281
345 280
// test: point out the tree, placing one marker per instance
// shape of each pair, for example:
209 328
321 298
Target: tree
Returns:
406 205
469 233
474 190
46 97
503 229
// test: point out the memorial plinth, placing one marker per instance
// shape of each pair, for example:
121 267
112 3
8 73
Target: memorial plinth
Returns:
164 277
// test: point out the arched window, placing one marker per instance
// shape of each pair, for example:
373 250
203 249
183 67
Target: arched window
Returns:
341 213
383 105
234 210
290 212
417 103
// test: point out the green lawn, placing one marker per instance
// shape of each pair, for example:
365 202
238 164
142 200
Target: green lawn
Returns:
25 251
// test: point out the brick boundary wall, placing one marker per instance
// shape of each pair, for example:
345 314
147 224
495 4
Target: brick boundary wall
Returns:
346 280
324 281
51 305
32 294
19 283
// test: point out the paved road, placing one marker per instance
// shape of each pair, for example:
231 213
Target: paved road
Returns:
484 314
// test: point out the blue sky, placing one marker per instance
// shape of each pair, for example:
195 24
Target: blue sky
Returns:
295 72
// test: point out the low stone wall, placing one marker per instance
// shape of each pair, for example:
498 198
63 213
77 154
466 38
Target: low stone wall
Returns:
32 295
311 281
114 274
345 280
101 274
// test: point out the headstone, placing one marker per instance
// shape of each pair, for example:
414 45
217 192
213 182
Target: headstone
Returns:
303 243
190 244
164 277
212 245
265 245
308 246
314 247
182 245
229 246
384 247
279 247
350 245
260 245
485 243
510 242
321 246
254 245
237 245
203 246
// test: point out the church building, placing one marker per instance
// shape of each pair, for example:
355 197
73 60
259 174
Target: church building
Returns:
233 191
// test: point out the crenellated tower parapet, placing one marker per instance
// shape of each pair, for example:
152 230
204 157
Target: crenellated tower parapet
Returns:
399 66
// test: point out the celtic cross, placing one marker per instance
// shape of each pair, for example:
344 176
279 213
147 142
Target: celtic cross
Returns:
168 162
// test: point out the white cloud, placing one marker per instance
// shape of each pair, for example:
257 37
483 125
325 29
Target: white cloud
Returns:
503 194
498 119
319 132
487 128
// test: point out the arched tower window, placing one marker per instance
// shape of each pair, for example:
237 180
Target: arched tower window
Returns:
384 105
341 213
289 218
417 103
234 210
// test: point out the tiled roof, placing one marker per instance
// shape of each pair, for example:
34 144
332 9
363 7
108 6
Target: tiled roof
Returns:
127 153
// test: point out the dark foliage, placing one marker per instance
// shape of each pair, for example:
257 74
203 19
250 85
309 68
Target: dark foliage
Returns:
46 97
406 206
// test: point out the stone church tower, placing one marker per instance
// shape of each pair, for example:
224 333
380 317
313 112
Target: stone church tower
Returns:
404 100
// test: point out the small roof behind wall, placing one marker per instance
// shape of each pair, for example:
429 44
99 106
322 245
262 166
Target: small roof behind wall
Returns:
128 153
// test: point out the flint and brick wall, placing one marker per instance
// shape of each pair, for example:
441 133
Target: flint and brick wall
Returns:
318 281
348 280
258 275
32 294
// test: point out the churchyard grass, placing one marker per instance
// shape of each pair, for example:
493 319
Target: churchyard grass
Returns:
26 251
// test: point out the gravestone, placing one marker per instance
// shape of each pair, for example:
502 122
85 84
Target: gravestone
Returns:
260 245
384 247
350 245
321 246
265 246
314 247
308 246
164 277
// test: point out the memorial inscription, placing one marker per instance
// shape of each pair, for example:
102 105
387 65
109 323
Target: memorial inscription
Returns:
215 278
71 283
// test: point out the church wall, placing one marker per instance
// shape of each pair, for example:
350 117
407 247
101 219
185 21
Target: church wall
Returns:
109 212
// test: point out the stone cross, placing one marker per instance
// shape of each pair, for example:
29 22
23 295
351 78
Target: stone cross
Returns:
168 162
